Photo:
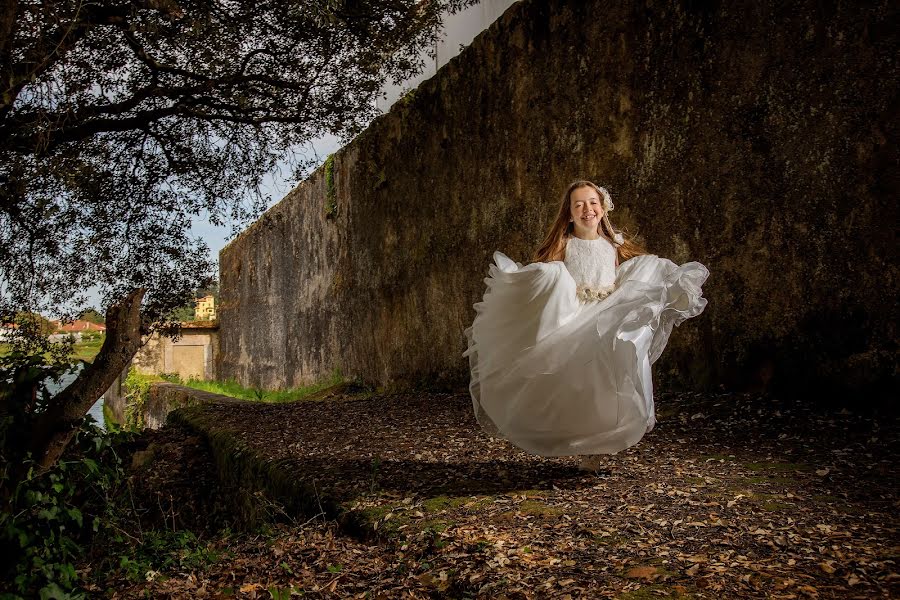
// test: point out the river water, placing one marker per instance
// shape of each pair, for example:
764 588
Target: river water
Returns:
96 410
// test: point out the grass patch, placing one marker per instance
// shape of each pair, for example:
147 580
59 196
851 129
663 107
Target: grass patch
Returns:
165 551
87 348
235 390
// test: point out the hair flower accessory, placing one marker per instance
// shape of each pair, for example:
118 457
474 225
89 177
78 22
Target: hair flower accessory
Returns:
618 239
607 199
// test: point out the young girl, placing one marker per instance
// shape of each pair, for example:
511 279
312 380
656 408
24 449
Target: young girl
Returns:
560 350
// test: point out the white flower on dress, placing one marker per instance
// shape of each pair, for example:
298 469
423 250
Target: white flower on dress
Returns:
588 294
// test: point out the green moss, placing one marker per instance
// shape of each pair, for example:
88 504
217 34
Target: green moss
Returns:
408 98
380 179
825 498
772 479
136 389
774 506
538 509
373 514
369 522
440 503
531 493
110 422
435 525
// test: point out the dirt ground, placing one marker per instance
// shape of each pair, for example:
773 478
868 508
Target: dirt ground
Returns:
730 496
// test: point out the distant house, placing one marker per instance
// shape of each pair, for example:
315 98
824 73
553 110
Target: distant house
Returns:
7 330
77 326
205 309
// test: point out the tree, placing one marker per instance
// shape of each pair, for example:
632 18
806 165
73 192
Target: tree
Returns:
91 315
120 121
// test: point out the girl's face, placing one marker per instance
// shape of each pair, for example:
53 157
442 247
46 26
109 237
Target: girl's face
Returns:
586 210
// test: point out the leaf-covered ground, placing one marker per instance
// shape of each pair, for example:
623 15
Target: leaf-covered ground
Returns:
730 496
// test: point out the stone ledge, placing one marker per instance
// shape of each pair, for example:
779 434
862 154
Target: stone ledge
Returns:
261 486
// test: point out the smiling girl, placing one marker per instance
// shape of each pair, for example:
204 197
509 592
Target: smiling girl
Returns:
560 350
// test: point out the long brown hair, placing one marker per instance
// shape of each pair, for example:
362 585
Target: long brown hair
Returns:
554 245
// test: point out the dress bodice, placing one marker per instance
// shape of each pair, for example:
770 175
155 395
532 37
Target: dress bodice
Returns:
592 264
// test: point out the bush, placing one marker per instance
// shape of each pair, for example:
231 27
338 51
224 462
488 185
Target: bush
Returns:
50 516
137 386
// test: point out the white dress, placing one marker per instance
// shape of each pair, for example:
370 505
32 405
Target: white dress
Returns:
560 352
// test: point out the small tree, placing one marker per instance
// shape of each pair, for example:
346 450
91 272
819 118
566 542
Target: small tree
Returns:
91 315
122 120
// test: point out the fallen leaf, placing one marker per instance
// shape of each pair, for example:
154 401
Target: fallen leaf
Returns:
826 567
648 573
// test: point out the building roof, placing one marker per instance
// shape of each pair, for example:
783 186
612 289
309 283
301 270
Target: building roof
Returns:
78 325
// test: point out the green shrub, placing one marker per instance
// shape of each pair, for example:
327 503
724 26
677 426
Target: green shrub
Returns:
137 386
51 516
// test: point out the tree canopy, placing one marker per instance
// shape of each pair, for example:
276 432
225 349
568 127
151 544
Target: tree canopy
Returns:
121 121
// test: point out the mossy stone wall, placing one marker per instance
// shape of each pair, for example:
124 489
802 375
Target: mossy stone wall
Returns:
753 136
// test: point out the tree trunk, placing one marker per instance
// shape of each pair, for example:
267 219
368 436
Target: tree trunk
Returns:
55 427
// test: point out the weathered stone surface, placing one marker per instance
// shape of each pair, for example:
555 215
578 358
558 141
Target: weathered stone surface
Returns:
163 398
750 136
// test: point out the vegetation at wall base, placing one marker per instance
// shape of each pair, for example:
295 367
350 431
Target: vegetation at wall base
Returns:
235 390
137 387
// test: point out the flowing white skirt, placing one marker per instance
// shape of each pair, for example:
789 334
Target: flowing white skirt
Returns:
558 377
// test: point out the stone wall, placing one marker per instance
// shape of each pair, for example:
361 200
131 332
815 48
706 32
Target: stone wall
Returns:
752 136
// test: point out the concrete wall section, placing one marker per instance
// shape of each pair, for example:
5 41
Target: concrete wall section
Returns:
191 356
750 136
